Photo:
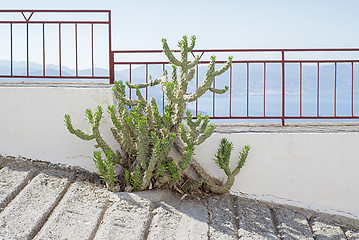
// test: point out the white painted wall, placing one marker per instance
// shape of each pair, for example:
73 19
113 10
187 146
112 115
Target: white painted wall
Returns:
311 170
314 170
32 122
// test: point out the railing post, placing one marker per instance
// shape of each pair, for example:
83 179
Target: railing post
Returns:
110 52
283 89
111 67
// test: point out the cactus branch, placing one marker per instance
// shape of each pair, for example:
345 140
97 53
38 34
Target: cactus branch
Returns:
169 53
224 68
219 91
193 43
206 84
149 83
194 62
78 132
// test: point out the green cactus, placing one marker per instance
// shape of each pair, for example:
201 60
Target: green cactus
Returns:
106 168
146 137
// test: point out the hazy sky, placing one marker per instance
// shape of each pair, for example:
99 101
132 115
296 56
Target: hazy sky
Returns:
140 24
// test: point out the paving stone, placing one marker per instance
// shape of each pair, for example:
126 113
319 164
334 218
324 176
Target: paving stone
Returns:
77 215
125 219
193 223
292 225
26 213
222 220
165 222
11 182
324 230
254 220
352 234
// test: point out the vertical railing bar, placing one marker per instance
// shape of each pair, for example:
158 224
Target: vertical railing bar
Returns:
77 67
60 48
317 89
163 94
352 91
92 60
27 49
11 51
197 69
283 88
264 89
300 89
130 80
213 96
230 91
335 89
43 50
146 82
110 55
247 89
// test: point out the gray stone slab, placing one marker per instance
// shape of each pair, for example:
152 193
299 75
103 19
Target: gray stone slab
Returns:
193 223
77 215
165 222
352 234
27 212
125 219
324 230
222 220
11 183
254 220
292 225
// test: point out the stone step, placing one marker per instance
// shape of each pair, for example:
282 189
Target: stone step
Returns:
324 230
77 215
28 211
194 220
254 220
222 220
11 182
173 218
127 217
292 225
165 221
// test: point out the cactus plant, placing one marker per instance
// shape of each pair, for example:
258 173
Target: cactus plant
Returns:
146 137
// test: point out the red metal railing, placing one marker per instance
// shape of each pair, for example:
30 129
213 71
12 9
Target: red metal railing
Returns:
250 94
27 18
302 59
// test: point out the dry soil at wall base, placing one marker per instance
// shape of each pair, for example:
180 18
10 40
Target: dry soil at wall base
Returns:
40 200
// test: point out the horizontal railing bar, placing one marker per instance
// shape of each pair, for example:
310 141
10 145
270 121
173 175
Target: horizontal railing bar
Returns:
55 11
200 62
322 117
248 50
321 61
54 22
252 61
71 77
286 117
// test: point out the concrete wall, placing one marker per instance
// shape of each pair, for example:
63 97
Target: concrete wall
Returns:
32 122
311 170
314 170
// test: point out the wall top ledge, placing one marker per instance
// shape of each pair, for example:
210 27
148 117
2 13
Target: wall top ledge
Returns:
53 85
342 127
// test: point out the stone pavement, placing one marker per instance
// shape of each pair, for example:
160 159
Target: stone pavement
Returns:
39 200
